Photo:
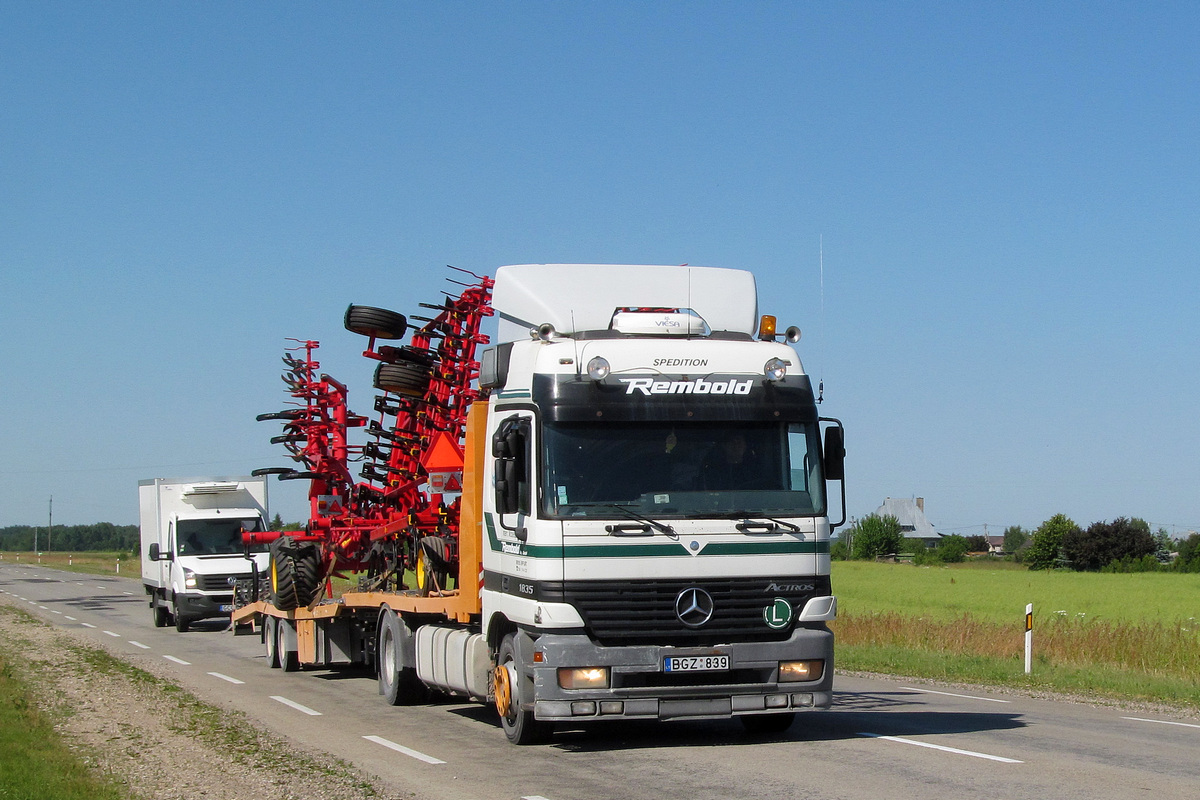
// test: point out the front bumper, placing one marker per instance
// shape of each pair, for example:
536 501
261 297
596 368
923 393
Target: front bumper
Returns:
640 689
204 606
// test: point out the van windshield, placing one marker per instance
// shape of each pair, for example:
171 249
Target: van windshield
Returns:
681 470
209 537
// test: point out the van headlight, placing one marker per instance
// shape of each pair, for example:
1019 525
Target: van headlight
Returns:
189 579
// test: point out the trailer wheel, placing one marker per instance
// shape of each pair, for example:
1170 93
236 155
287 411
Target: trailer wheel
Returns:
766 724
270 643
289 660
511 691
294 573
404 377
378 322
398 681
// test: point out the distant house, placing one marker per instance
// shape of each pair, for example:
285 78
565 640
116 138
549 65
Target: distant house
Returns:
911 515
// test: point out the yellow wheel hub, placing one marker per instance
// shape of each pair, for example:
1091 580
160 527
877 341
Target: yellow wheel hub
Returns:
502 685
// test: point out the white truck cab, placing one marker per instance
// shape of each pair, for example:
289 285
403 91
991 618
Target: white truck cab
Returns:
191 542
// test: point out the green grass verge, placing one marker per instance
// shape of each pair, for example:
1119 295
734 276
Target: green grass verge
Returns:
35 763
1130 637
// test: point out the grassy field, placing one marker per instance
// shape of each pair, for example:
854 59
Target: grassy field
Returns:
35 763
1124 636
92 562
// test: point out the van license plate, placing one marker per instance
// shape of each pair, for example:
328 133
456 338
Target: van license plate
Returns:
225 609
695 663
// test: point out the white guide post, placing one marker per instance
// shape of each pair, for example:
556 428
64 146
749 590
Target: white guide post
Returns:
1029 638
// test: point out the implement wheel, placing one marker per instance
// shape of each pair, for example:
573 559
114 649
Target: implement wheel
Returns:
294 573
378 322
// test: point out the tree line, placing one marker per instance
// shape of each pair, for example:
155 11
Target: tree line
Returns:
70 538
1122 545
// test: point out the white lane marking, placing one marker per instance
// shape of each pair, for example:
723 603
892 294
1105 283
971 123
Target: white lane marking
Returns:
226 678
179 661
943 748
534 797
139 644
52 611
87 624
951 694
70 618
399 748
295 705
114 635
43 608
1162 722
128 593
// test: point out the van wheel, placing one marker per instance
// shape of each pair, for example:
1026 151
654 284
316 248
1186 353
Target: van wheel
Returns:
182 623
511 691
162 617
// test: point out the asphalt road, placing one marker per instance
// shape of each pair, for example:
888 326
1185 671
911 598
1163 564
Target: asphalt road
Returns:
882 739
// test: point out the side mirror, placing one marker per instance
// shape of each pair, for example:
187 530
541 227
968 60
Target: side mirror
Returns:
835 454
510 448
154 554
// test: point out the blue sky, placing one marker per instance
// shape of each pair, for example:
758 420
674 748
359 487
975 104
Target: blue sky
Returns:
1007 196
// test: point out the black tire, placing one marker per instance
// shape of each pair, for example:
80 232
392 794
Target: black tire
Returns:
294 568
258 473
512 690
182 623
767 724
270 642
398 681
289 659
406 377
433 565
162 617
378 322
295 413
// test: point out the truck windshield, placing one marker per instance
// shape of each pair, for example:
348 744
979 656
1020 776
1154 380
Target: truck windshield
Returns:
682 470
209 537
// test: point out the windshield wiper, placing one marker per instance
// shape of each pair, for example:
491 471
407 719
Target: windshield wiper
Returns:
661 527
750 524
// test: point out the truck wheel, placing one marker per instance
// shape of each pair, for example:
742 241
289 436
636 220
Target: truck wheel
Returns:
289 660
182 623
162 617
511 690
398 681
270 643
294 568
405 377
766 724
378 322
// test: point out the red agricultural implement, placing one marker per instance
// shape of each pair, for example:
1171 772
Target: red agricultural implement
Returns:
402 512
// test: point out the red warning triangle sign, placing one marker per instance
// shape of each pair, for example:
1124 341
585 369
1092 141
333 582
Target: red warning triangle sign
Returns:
443 454
453 483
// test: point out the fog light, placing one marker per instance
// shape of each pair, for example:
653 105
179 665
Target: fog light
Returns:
599 368
583 677
777 701
801 670
584 708
612 707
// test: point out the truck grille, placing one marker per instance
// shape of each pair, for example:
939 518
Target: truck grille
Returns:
218 583
643 612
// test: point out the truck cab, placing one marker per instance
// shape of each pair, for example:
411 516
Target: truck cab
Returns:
656 517
192 545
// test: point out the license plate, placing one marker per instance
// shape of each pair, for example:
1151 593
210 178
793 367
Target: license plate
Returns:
695 663
225 609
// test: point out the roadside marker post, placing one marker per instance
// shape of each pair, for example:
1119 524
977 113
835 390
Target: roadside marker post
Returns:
1029 639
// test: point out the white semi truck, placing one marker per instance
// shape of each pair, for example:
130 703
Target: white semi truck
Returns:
642 523
191 542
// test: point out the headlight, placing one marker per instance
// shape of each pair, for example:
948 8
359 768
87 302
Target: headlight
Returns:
775 369
790 671
189 579
583 677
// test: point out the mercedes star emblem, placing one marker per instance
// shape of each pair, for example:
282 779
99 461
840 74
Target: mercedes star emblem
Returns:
694 607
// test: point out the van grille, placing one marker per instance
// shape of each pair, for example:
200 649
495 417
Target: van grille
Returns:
218 583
